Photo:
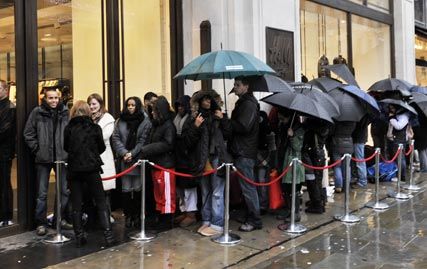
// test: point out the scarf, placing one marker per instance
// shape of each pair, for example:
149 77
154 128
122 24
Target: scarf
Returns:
179 123
96 117
132 121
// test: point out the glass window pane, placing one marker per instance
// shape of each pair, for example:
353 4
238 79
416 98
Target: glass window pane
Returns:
371 50
419 11
380 5
323 32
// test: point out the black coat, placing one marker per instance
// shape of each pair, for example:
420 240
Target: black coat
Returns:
7 130
243 128
84 143
360 133
341 141
420 134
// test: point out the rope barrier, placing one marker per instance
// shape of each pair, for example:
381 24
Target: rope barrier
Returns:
364 160
274 180
322 167
184 174
411 148
124 172
393 159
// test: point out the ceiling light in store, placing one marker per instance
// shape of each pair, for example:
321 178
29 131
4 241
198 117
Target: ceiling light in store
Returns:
47 35
48 39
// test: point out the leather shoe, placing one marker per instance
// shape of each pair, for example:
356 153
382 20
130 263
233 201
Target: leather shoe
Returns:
247 227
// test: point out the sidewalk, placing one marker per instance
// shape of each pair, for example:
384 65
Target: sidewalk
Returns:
271 248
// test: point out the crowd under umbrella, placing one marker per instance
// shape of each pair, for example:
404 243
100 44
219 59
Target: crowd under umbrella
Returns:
224 64
298 103
351 107
392 88
325 83
269 83
370 102
343 72
400 103
313 92
419 102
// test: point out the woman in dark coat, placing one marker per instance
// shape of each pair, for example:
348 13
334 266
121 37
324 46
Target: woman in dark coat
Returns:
84 144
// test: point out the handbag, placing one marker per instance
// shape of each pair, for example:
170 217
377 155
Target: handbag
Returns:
275 192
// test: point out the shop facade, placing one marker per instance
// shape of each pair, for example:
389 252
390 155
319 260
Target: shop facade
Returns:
420 18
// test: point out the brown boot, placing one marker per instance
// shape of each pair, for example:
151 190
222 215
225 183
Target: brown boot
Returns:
189 220
179 218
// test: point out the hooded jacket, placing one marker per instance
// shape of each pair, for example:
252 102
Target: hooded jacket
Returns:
161 143
39 133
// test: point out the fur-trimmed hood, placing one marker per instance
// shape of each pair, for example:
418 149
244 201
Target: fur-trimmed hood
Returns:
216 102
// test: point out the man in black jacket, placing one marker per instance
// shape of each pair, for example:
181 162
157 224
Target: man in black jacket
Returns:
7 153
44 135
243 145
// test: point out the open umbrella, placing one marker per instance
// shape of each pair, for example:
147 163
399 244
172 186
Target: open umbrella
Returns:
392 85
298 102
343 72
418 89
419 101
326 101
367 99
225 64
401 104
270 83
351 108
325 83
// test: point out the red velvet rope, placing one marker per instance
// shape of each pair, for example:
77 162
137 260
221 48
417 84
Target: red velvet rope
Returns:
411 148
393 159
124 172
321 167
364 160
183 174
250 181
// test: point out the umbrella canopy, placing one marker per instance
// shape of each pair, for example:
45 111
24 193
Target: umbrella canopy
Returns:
299 103
224 64
418 89
343 72
270 83
325 83
351 108
401 104
390 85
370 101
420 102
326 101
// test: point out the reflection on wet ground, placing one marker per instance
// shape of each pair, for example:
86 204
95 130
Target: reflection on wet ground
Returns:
389 239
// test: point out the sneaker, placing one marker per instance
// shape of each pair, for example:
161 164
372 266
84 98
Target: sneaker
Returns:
65 225
204 226
247 227
112 220
41 230
6 223
209 231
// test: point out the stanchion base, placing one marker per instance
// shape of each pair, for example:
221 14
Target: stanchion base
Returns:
412 187
400 196
231 239
348 218
141 236
296 229
56 239
378 206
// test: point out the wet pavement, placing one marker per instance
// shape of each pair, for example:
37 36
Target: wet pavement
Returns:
389 239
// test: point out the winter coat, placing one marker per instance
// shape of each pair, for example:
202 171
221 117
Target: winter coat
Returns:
119 138
161 143
84 143
360 133
420 134
291 148
106 122
243 127
7 130
38 133
341 141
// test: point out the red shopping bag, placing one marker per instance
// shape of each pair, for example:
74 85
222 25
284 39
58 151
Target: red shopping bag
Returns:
275 192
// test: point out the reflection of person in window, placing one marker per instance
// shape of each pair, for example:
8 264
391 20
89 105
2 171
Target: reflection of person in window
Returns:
7 153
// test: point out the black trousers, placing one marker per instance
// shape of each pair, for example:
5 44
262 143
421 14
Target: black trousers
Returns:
6 193
77 181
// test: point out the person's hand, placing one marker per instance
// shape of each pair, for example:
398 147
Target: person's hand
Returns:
219 114
290 132
199 120
128 157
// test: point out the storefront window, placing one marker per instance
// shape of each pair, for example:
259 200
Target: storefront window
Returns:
420 14
421 60
380 5
371 50
323 32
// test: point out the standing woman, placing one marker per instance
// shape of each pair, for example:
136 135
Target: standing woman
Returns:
104 119
130 134
84 144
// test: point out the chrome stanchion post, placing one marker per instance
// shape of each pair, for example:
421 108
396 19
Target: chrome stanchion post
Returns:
347 217
411 186
294 228
142 235
377 204
227 238
58 237
399 195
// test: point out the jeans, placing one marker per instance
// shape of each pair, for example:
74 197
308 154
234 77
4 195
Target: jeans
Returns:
43 174
359 153
339 171
262 176
212 188
249 191
6 193
423 160
392 149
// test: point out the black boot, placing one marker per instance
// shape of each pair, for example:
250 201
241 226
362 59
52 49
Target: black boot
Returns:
81 238
136 214
286 209
165 222
127 208
104 218
316 205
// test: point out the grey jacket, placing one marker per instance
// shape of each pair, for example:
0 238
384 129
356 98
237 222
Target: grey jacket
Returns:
119 138
38 134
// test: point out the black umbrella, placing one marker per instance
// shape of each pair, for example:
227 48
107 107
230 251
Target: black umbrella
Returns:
326 101
269 83
419 101
343 72
392 85
401 104
325 83
351 108
299 103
